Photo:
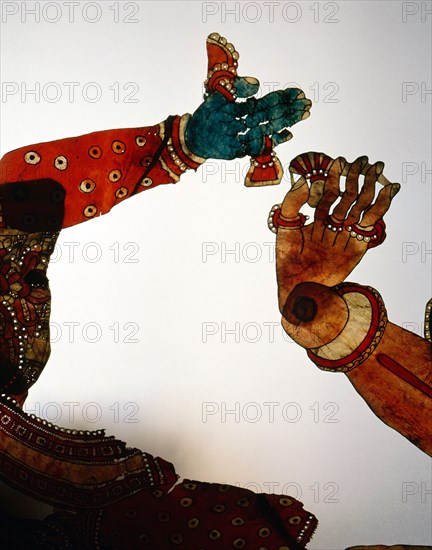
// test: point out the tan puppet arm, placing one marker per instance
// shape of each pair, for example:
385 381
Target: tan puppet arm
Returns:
344 327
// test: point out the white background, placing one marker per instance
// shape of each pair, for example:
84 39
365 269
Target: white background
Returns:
352 59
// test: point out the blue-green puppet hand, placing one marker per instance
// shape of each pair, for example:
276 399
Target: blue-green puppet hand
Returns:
223 129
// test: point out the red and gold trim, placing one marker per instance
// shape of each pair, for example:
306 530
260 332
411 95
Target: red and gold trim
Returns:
222 66
180 158
265 169
276 220
313 166
373 237
371 340
77 469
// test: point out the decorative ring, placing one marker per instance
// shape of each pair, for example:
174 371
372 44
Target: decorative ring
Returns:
373 237
332 225
275 220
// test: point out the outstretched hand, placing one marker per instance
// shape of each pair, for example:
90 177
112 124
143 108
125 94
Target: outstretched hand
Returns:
221 129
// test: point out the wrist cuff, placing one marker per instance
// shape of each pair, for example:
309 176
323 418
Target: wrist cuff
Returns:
179 153
360 336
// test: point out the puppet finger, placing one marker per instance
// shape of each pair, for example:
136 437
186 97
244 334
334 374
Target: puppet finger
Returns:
281 137
296 197
366 194
381 205
351 191
246 86
331 189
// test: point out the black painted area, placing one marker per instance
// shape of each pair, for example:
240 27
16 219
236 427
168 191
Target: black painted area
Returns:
33 206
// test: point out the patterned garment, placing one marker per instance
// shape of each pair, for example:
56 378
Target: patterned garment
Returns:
119 498
113 497
50 186
57 184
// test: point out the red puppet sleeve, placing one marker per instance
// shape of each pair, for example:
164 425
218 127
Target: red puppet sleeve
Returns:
58 184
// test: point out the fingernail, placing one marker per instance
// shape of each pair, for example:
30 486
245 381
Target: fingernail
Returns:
395 189
379 167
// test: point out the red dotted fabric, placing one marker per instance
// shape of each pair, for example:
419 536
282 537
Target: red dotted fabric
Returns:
203 516
96 171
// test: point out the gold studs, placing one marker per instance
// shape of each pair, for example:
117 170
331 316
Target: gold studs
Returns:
237 521
176 538
294 520
32 157
87 186
214 534
193 523
284 501
264 532
163 516
146 182
140 141
95 152
219 508
90 211
61 162
118 147
114 175
186 502
239 543
121 193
